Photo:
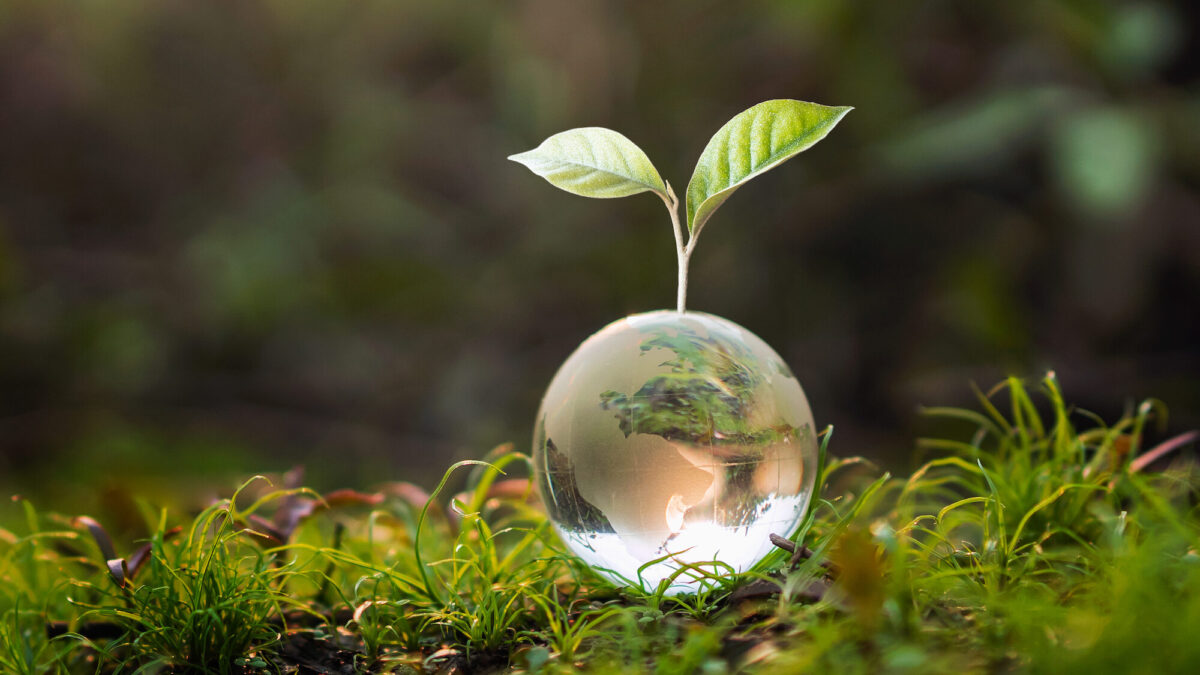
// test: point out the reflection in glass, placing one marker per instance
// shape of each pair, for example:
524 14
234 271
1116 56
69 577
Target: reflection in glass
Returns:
669 433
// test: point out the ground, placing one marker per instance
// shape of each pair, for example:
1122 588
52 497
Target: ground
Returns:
1036 539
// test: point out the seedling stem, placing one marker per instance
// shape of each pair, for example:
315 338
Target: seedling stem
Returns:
683 252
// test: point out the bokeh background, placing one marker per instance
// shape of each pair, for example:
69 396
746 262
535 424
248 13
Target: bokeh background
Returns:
239 235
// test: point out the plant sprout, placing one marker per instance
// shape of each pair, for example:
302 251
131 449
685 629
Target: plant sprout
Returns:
601 163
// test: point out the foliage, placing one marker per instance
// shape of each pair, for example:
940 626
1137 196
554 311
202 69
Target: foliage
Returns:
598 162
594 162
1038 540
202 601
751 144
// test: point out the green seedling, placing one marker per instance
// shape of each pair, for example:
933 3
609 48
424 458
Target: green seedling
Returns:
601 163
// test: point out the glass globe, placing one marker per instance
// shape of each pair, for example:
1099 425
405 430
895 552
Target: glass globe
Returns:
679 436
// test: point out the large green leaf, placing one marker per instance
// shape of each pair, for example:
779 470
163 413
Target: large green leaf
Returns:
593 162
752 143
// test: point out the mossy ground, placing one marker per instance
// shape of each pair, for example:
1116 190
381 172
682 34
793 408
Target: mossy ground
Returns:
1041 539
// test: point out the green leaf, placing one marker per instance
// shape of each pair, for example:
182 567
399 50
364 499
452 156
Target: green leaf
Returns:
751 144
594 162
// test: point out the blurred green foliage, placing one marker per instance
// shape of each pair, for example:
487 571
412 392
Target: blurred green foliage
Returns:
258 232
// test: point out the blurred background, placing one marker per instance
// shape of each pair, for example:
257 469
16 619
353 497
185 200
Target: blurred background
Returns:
240 235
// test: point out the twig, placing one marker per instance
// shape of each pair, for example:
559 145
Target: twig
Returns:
799 553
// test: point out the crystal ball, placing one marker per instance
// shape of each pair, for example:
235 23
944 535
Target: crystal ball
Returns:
676 437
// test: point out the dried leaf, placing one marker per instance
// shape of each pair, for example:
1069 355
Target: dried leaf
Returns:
266 529
142 554
413 494
1163 449
347 497
100 535
118 571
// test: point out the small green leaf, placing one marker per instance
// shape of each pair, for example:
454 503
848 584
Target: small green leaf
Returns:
594 162
752 143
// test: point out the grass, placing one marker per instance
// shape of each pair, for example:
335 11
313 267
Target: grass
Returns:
1038 540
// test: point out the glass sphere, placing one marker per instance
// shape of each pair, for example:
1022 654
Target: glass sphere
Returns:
673 435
